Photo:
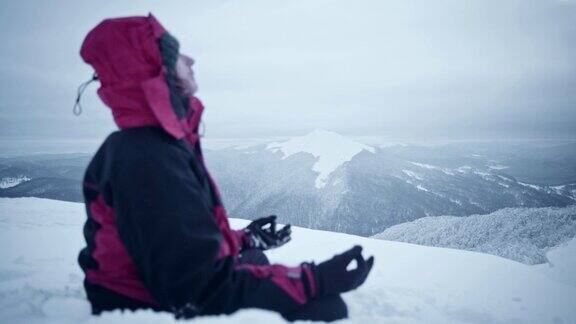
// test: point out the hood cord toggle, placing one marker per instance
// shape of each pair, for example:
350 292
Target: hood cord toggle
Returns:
77 110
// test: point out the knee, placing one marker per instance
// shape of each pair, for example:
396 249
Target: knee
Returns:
254 256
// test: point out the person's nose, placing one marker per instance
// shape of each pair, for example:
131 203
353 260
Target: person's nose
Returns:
189 61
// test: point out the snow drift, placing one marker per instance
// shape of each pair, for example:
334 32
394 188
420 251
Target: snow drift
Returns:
40 281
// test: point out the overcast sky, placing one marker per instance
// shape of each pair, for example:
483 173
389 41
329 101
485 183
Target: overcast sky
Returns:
401 68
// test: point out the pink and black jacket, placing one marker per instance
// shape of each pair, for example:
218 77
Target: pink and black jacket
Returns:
157 233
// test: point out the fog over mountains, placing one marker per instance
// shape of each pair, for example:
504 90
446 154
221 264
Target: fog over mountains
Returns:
323 180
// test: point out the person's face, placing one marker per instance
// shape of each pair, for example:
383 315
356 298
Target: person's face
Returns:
186 75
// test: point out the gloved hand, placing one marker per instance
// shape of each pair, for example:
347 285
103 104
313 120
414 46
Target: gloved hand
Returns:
262 234
332 276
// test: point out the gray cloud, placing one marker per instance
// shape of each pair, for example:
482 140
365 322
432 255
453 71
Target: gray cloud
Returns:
394 68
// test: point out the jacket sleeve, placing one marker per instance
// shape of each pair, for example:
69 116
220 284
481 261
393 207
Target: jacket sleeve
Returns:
242 238
171 234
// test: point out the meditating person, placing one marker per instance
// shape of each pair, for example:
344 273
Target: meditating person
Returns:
157 234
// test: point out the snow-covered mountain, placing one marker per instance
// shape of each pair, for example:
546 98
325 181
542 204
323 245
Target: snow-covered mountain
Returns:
329 148
8 182
324 180
40 281
54 176
366 189
522 234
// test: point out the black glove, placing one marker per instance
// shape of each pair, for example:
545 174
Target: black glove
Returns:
262 234
332 277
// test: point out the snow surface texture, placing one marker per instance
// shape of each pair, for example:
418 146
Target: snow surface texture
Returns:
40 281
331 149
561 263
521 234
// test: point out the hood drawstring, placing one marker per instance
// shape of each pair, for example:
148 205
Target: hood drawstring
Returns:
77 110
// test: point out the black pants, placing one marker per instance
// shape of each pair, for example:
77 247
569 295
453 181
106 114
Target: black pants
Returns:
328 308
102 299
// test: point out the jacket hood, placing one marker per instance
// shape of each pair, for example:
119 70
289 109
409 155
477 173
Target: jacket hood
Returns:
126 56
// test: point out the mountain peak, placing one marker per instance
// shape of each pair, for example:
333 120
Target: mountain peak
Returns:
322 132
331 149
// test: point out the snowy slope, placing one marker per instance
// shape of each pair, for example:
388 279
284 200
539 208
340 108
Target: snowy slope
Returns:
331 149
561 263
40 281
521 234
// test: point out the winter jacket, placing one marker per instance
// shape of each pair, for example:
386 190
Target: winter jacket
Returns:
157 232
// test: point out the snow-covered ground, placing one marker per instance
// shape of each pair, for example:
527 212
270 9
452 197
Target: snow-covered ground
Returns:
40 281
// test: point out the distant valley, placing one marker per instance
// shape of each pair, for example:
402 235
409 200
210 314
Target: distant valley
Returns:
323 180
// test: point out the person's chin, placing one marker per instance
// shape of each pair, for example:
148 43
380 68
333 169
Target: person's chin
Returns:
190 90
193 89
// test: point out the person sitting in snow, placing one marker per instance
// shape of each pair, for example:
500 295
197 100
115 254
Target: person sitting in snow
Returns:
157 233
